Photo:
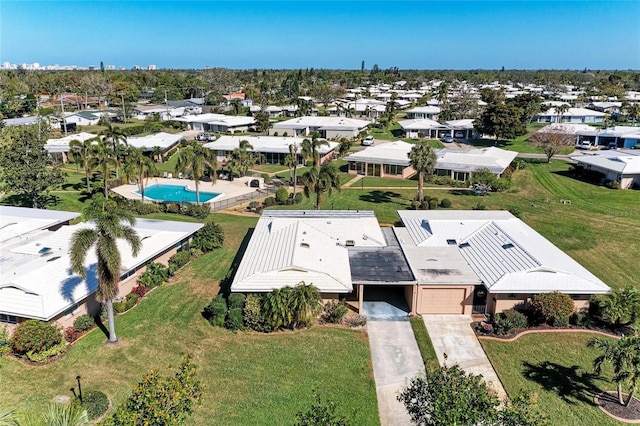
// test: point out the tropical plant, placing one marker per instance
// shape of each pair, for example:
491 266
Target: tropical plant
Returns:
63 415
103 160
293 157
138 166
306 303
624 356
276 308
560 111
622 307
321 413
241 159
209 237
115 137
111 223
8 416
344 148
82 151
311 147
633 112
315 181
157 154
196 160
423 160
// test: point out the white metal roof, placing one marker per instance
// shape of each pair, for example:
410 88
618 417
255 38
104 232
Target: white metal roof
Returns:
625 164
492 158
428 109
219 119
36 280
17 222
276 144
326 123
288 247
420 124
62 144
507 255
387 153
162 140
573 112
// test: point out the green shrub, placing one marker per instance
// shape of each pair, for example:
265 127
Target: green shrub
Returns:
236 301
297 199
216 311
561 322
269 201
282 196
209 237
581 319
43 356
479 206
415 205
266 178
334 311
5 345
171 208
200 212
355 321
178 260
252 313
234 319
95 402
144 208
253 205
424 205
34 336
445 203
130 300
433 203
553 308
154 275
509 320
71 334
83 323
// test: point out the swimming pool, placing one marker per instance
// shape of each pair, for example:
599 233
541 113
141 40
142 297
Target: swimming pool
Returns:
175 194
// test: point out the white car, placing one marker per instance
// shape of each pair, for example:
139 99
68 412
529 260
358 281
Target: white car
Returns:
368 141
459 135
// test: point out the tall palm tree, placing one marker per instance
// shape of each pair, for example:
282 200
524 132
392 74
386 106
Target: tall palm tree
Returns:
196 160
560 111
423 160
624 356
633 112
82 151
139 167
293 153
111 223
320 181
241 159
103 161
157 154
115 137
306 302
310 149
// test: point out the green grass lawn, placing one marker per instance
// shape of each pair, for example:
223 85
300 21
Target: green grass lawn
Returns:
377 182
250 378
270 168
429 356
558 368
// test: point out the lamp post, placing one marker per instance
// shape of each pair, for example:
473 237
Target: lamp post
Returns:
79 388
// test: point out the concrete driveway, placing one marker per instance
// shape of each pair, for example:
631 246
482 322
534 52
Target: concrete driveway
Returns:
452 335
396 360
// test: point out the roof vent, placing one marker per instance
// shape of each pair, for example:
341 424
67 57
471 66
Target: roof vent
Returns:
44 251
305 245
350 243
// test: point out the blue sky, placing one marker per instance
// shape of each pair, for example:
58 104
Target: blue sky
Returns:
325 34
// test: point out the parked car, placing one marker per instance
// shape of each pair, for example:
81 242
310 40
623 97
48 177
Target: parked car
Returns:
368 141
612 145
447 139
206 137
459 135
583 145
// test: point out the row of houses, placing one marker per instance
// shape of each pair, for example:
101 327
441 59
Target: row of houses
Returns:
438 262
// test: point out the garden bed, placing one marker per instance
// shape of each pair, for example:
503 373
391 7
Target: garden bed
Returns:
609 404
544 328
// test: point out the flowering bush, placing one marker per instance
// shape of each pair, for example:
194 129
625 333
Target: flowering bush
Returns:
141 291
554 308
34 336
71 334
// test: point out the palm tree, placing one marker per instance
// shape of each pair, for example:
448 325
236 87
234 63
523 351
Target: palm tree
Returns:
310 149
624 356
110 224
560 110
157 154
138 166
293 153
115 136
306 303
622 307
423 160
241 160
103 161
65 415
196 160
633 111
319 181
276 309
82 151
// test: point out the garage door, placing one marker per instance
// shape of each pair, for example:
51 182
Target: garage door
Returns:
442 301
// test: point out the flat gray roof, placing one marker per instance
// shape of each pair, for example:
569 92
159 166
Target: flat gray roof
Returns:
380 265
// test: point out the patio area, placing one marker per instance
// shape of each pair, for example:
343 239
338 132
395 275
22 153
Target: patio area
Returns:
227 190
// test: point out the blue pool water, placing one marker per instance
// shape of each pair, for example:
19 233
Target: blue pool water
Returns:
175 194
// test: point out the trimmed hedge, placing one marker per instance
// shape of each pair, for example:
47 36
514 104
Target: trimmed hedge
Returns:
34 336
216 311
510 320
83 323
234 319
129 302
236 301
554 308
43 356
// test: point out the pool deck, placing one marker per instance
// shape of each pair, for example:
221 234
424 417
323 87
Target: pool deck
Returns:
226 189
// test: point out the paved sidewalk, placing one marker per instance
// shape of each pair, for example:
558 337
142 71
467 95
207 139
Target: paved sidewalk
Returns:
396 360
452 335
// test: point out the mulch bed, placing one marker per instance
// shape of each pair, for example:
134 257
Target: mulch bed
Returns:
623 331
608 402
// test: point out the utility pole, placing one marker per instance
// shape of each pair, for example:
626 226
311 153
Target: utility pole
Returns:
64 119
124 111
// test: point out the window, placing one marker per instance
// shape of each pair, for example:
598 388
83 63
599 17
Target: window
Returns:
461 176
392 169
11 319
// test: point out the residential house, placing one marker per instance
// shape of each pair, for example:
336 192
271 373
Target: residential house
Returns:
418 113
36 281
572 115
621 136
60 146
328 127
614 165
218 123
430 129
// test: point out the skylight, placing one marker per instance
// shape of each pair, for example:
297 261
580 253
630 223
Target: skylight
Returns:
507 246
451 242
465 244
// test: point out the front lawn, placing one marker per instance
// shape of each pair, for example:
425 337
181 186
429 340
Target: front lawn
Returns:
250 378
558 368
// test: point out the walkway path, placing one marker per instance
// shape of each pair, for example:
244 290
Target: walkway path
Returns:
396 360
453 336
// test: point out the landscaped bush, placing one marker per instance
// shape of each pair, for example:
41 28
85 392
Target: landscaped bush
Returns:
509 320
297 199
129 302
141 291
236 301
144 208
433 203
171 208
234 319
613 184
355 321
83 323
282 196
43 356
334 311
445 203
216 311
34 336
5 345
252 313
266 178
554 308
269 201
71 334
479 206
209 237
581 319
195 252
95 402
178 260
200 212
154 275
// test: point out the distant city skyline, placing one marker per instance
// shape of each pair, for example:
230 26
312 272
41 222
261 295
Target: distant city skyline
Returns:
325 34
